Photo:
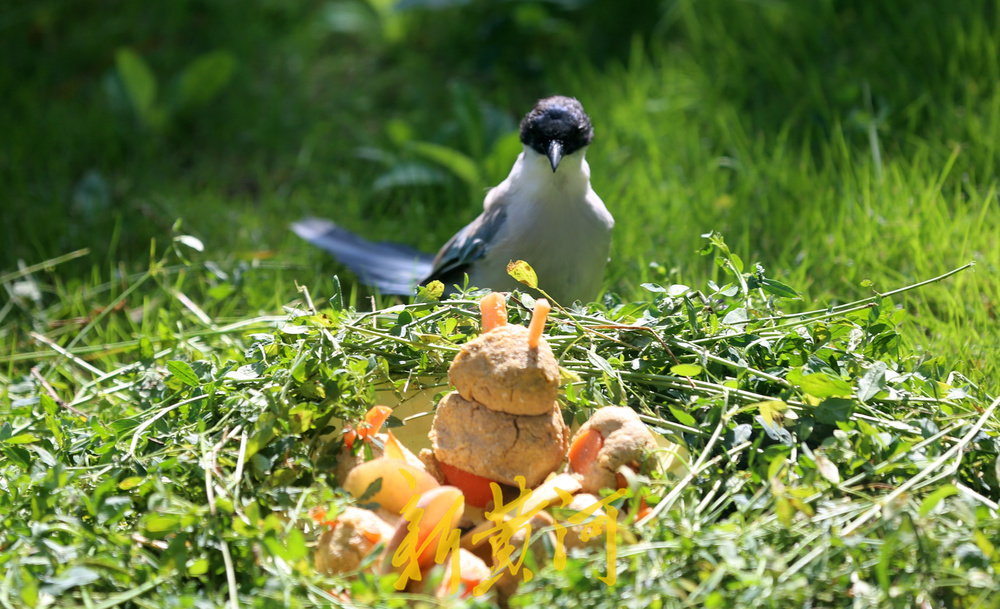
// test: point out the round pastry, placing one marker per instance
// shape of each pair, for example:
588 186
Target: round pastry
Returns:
499 370
354 534
498 446
612 437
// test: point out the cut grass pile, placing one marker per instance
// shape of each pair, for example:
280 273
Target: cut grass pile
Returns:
828 462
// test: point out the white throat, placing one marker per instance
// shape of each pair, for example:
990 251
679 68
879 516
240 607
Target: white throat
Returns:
532 179
555 222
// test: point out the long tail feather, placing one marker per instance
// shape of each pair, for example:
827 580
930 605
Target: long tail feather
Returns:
391 267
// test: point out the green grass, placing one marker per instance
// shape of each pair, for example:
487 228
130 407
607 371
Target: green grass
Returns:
835 143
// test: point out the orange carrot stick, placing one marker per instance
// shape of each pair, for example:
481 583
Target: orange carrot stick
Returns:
538 318
378 415
374 418
493 309
584 450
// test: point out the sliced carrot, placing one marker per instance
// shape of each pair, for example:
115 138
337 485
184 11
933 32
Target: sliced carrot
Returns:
620 481
344 596
643 510
584 450
470 584
318 514
476 489
371 536
493 309
374 419
350 435
378 415
537 326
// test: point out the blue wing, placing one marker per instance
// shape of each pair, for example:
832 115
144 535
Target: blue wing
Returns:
467 246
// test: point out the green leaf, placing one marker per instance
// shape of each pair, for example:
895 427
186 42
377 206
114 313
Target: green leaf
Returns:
130 482
263 436
450 159
337 299
872 382
371 491
784 510
139 82
295 544
737 316
275 547
183 372
399 131
769 409
886 556
685 370
160 523
21 438
18 455
600 363
522 271
567 378
54 425
931 501
70 578
834 410
775 467
29 594
819 384
48 404
205 77
197 567
987 548
683 417
827 469
431 292
779 289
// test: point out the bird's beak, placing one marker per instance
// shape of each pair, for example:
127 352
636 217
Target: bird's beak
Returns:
555 153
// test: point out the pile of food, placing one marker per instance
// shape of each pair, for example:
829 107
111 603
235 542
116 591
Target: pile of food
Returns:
489 486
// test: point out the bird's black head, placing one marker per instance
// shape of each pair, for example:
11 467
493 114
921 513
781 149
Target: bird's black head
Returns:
555 127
